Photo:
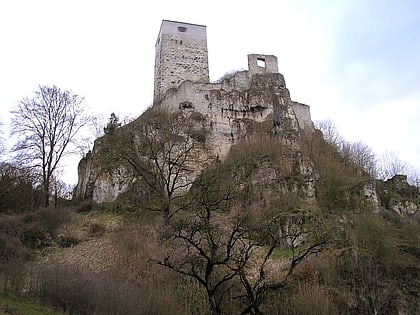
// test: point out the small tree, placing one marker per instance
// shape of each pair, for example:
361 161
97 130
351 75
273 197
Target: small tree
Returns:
329 132
46 127
159 149
390 165
113 123
17 189
227 249
361 155
202 244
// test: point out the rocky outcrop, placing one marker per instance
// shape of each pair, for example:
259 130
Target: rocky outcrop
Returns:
97 182
231 106
398 195
228 111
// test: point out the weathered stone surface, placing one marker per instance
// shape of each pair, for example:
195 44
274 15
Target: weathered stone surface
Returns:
245 96
398 195
225 114
227 109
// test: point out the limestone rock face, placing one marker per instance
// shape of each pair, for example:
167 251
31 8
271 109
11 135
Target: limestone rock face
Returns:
97 183
228 111
398 195
229 107
370 193
298 177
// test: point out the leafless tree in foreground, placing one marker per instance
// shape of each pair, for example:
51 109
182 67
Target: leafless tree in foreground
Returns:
46 127
225 249
159 148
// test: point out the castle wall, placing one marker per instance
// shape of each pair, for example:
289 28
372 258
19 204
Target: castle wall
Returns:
258 63
303 115
228 108
239 81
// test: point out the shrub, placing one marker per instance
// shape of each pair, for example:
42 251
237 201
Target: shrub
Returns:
80 291
34 236
67 241
96 229
11 246
85 206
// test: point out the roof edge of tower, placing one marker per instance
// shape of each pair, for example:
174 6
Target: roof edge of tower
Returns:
172 21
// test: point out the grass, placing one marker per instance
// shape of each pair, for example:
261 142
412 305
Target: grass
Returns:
103 217
20 306
282 253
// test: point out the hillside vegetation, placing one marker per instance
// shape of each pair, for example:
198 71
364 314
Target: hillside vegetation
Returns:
278 227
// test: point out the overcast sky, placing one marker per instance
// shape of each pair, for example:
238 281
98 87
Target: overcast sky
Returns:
355 62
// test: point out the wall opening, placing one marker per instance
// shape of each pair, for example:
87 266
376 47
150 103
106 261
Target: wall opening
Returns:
261 62
182 29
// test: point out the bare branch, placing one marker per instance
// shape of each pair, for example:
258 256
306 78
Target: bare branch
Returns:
46 127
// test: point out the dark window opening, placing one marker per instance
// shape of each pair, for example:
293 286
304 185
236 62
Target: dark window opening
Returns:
261 62
182 29
185 105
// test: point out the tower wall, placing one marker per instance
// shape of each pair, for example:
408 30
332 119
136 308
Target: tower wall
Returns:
181 54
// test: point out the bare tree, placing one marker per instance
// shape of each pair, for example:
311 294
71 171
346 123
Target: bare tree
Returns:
2 145
160 149
329 132
202 244
46 127
360 154
228 250
390 164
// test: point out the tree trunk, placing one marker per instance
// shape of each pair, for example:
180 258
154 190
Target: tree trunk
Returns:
214 307
46 194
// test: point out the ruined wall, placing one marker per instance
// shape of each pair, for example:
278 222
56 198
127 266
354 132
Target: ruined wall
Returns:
227 108
303 115
258 63
257 95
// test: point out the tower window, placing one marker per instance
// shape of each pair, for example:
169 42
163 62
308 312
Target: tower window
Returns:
261 62
182 29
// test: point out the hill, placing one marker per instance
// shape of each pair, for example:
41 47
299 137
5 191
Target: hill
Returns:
221 198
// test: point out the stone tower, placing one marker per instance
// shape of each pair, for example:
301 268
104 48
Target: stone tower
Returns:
181 54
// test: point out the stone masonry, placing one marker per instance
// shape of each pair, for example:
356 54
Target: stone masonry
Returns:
259 93
181 54
226 108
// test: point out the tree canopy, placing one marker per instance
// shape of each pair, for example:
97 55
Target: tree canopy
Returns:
46 127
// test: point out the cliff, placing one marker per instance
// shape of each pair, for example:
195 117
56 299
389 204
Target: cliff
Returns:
228 111
240 107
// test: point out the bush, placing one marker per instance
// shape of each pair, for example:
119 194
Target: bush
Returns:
80 291
85 206
39 228
13 275
307 300
96 229
35 236
67 241
11 247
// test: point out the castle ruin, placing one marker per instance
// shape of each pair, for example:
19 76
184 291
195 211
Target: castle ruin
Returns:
182 83
226 109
